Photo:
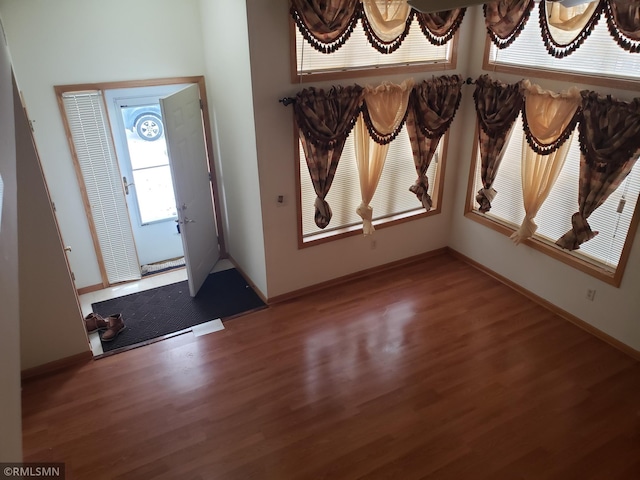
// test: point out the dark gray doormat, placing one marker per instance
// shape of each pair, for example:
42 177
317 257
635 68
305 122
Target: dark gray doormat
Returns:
169 309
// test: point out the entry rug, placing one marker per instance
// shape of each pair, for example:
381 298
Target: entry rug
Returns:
169 309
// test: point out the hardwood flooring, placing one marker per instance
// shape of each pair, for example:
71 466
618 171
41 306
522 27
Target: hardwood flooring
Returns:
432 371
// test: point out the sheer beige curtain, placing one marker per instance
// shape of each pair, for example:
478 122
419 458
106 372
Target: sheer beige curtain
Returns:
387 18
564 29
550 119
384 112
569 19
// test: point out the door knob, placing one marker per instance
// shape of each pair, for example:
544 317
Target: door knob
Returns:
67 249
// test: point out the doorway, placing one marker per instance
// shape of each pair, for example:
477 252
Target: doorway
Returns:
140 142
136 120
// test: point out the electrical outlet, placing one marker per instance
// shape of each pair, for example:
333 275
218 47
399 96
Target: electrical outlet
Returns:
591 294
374 244
280 200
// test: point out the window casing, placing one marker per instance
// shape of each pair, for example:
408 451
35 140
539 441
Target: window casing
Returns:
603 256
615 68
392 202
598 61
90 139
357 58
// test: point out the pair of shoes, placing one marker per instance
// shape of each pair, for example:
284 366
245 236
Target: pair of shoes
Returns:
116 325
94 323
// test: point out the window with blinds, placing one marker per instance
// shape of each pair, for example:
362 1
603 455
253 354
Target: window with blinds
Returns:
392 199
96 160
598 56
612 219
357 54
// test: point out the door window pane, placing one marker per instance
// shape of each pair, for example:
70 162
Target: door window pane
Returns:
154 190
147 147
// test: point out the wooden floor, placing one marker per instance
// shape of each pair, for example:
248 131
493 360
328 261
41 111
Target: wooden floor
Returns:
430 371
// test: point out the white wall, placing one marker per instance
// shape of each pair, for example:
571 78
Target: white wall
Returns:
289 268
229 84
10 416
76 41
51 324
615 311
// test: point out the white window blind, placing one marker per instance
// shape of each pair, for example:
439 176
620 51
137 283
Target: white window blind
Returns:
96 158
392 196
599 55
357 53
554 218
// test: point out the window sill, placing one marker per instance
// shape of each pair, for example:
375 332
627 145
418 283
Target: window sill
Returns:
340 233
573 259
565 76
372 71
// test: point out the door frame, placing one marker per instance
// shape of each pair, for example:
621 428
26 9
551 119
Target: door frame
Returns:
102 86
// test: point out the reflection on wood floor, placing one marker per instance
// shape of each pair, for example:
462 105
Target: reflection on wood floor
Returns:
433 370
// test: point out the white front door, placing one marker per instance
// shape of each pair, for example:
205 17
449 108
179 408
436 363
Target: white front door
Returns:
138 132
188 160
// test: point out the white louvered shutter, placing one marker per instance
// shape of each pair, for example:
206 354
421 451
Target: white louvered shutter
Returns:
97 161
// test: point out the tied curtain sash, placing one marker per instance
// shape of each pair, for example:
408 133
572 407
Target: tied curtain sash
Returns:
549 121
324 120
610 145
497 107
383 114
432 107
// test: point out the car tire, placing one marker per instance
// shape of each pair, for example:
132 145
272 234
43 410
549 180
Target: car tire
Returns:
149 127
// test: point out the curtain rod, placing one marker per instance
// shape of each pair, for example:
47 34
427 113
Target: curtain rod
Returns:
286 101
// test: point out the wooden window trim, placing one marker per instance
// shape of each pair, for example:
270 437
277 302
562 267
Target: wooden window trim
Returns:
339 234
102 86
363 72
573 259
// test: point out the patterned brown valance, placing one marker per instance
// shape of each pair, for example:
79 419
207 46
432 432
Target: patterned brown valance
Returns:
327 24
497 104
435 103
440 27
609 130
326 117
623 20
505 19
